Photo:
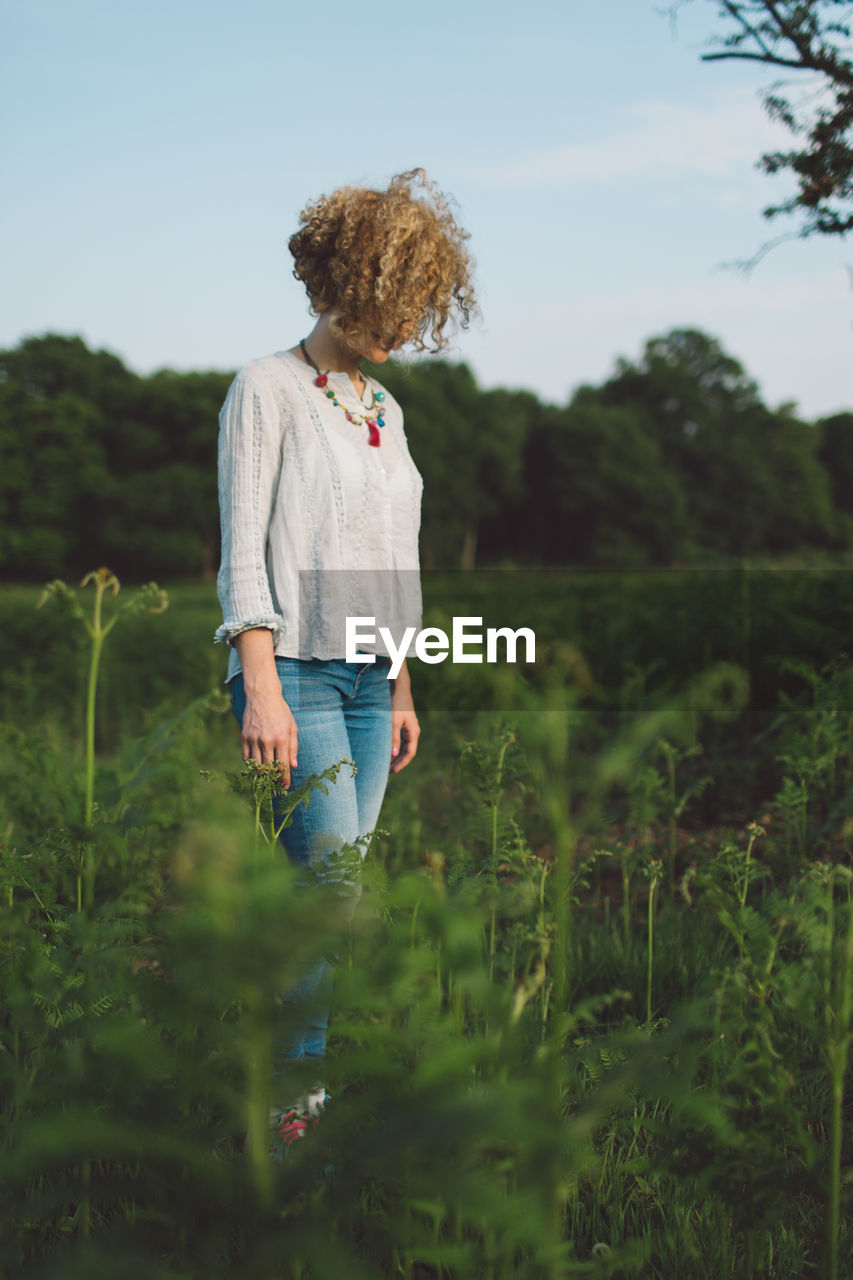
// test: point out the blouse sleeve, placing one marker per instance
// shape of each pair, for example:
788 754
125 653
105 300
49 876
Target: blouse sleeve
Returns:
250 450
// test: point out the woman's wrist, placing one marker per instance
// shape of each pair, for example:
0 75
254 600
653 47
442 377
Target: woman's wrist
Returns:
401 681
401 689
402 678
257 661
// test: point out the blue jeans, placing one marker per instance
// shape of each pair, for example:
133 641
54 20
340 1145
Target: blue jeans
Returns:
342 712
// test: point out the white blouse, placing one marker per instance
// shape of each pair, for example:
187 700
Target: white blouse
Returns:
317 525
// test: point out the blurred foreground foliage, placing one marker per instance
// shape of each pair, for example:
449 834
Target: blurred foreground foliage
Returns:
576 1033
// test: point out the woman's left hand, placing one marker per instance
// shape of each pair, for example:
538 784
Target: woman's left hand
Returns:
405 729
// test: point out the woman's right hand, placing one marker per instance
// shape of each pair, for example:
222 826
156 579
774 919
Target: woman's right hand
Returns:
269 731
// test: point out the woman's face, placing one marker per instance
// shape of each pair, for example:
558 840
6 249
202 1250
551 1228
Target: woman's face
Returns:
372 349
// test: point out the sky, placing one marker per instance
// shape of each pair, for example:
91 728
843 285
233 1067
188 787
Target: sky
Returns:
156 159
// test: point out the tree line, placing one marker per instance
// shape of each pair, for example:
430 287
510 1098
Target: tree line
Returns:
674 459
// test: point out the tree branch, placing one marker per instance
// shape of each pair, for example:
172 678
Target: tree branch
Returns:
734 10
746 265
831 64
800 35
790 32
774 60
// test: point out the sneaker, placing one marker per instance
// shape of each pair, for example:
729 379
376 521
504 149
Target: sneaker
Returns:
292 1124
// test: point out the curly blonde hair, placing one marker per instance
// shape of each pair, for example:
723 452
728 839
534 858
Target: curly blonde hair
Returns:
386 261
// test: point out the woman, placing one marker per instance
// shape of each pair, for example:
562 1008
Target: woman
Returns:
320 508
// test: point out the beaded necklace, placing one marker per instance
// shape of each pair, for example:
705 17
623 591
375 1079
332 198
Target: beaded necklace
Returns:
373 423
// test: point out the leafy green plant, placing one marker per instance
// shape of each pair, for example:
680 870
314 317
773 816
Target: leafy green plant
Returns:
149 599
525 1083
814 732
272 804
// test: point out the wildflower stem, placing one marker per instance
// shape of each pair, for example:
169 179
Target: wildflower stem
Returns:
91 697
651 929
97 634
744 888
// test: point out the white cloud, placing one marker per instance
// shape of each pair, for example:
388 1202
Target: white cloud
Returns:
663 140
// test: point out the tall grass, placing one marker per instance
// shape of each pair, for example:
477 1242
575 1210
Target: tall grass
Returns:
542 1065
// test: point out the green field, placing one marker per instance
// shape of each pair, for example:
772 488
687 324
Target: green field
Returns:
593 1016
